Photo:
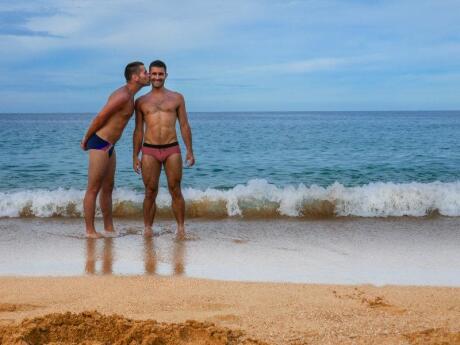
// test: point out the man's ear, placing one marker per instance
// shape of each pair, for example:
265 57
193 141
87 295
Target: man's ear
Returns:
166 75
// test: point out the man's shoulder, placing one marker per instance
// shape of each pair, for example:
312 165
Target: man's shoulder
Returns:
176 94
141 99
121 94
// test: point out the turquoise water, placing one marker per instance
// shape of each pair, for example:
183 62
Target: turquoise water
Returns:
277 161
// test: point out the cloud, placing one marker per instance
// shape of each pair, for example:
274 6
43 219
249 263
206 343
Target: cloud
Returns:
303 66
14 23
57 25
314 65
61 79
138 25
434 77
214 47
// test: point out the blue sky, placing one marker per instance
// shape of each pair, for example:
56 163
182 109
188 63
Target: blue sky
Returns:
67 56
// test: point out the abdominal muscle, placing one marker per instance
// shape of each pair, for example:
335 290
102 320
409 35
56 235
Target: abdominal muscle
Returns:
160 129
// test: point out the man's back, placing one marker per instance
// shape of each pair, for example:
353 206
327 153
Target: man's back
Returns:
113 128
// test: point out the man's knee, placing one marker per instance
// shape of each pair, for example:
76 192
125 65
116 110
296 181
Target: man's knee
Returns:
107 188
93 190
151 193
175 191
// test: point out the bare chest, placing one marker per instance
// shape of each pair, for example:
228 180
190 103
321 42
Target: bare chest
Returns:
165 105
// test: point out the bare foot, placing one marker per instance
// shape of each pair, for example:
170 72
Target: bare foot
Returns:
93 235
148 232
110 233
180 234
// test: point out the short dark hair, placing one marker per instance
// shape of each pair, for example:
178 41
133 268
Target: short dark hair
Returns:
132 68
157 63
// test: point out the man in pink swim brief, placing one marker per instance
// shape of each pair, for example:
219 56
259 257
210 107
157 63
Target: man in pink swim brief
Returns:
159 110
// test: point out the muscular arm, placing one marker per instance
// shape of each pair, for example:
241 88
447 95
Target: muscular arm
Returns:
185 130
114 104
138 136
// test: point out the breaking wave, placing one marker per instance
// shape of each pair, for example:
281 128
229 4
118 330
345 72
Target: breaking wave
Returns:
256 199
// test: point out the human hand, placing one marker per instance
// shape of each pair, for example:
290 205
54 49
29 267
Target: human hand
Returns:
189 159
83 143
137 165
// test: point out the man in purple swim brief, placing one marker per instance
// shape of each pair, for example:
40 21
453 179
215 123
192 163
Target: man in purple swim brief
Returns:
95 142
100 138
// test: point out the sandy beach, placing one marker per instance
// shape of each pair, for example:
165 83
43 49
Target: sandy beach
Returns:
344 281
273 313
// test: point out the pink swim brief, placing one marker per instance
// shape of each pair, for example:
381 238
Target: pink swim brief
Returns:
160 152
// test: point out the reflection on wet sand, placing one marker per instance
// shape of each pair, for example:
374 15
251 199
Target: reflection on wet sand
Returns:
91 256
90 265
107 257
178 257
150 256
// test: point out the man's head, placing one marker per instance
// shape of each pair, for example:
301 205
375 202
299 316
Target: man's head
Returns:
136 72
158 75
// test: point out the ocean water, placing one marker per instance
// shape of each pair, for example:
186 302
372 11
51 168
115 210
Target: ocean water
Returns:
264 164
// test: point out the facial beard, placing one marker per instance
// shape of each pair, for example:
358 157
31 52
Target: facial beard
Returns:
158 85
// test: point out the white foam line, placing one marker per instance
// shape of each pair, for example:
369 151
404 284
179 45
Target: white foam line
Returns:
372 200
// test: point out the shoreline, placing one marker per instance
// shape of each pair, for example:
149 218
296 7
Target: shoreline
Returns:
276 313
363 251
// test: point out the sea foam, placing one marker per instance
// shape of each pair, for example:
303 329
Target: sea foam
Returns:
257 198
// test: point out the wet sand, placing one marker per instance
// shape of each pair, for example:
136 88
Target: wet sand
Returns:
276 313
402 251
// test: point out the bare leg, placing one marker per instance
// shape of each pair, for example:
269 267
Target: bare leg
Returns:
105 197
173 168
97 168
151 169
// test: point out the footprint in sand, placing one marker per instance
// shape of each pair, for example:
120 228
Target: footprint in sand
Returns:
373 302
10 307
433 336
229 318
380 303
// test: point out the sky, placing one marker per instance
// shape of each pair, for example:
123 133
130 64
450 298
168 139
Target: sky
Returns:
239 55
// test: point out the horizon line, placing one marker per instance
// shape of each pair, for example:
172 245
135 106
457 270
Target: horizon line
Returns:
248 111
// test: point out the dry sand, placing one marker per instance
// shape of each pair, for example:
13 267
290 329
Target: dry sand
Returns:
155 310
